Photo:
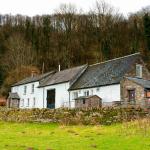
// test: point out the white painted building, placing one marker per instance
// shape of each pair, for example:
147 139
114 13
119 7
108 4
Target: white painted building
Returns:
108 94
49 90
60 89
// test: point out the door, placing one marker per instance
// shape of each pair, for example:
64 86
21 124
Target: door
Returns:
131 96
51 99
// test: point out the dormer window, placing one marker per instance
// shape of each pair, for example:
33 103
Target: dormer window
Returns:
139 71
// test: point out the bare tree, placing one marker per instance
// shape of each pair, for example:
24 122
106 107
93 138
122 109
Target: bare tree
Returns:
18 53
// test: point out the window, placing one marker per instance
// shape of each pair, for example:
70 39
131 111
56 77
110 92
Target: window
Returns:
97 89
147 93
28 102
91 92
34 102
22 103
32 88
25 89
139 71
86 93
75 95
131 94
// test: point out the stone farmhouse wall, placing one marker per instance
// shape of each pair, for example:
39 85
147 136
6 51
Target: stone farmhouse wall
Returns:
139 92
93 101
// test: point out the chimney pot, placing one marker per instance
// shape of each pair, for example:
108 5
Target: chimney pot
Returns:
59 68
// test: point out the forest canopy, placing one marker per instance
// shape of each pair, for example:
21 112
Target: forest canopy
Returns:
69 38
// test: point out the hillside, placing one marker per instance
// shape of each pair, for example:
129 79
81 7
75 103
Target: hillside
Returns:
69 38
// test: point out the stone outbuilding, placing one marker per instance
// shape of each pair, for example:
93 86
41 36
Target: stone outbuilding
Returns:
135 91
88 101
13 100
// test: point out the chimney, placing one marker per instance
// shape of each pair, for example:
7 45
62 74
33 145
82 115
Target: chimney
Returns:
59 68
33 73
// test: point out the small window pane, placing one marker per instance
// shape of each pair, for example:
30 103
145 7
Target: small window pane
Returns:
32 90
34 102
22 103
75 95
25 89
28 102
86 93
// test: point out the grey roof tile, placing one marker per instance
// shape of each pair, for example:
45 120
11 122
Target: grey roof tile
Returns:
33 79
63 76
105 73
142 82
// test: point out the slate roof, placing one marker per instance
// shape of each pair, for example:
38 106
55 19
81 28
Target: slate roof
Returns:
63 76
33 79
86 97
142 82
13 96
105 73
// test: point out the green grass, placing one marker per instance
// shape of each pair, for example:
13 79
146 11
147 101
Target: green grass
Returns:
34 136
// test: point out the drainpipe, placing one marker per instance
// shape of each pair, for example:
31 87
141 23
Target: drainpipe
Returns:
43 97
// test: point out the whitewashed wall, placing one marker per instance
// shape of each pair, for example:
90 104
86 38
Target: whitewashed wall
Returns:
107 93
40 95
37 95
61 94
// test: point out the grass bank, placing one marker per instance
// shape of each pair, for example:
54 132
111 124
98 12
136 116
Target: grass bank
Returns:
35 136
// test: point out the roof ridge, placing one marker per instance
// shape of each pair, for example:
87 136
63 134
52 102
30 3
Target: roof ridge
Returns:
72 68
138 53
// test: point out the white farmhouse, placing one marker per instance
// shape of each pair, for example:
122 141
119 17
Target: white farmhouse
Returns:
115 80
49 90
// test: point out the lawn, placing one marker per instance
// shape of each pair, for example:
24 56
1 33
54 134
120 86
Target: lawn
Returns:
34 136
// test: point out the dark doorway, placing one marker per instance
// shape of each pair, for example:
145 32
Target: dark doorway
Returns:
51 98
131 94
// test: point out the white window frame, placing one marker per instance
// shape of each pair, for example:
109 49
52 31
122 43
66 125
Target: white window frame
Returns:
25 90
86 93
28 102
75 95
32 88
97 89
34 102
92 91
22 103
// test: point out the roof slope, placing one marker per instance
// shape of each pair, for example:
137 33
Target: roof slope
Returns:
63 76
142 82
105 73
33 79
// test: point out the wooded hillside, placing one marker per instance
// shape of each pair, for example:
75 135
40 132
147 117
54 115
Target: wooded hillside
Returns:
69 38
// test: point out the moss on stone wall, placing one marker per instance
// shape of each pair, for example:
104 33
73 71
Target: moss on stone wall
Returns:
93 116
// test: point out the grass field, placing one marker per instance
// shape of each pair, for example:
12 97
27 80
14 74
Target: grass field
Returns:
33 136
